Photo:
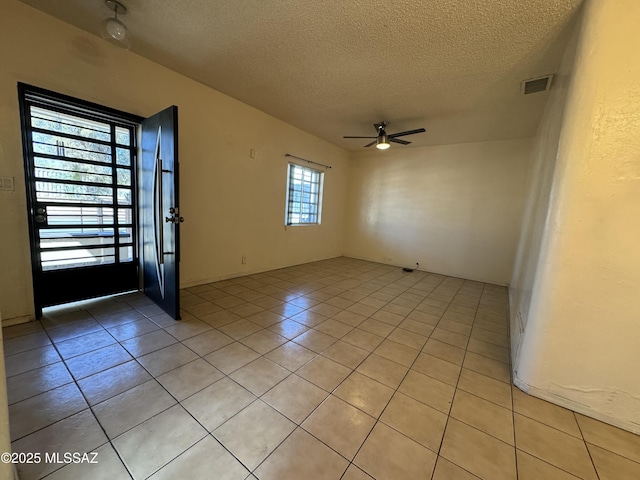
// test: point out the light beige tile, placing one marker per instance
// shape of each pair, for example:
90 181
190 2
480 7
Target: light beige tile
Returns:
609 437
132 329
35 382
444 351
490 337
260 375
428 390
302 457
291 356
219 319
416 326
254 433
613 467
263 341
190 378
483 415
486 387
240 329
132 407
73 329
97 361
545 412
166 359
42 410
407 338
188 328
232 357
364 393
315 341
308 318
108 466
389 454
208 342
487 366
77 433
349 318
345 354
217 403
383 370
354 473
104 385
23 343
477 452
295 397
396 352
376 327
437 368
365 340
489 350
339 425
416 420
334 328
456 327
265 318
152 444
288 329
85 343
324 373
452 338
22 329
553 446
30 360
532 468
445 470
427 314
148 343
204 459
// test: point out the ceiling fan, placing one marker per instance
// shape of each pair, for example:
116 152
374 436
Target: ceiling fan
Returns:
382 140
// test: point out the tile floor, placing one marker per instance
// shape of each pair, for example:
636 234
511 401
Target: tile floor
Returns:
340 369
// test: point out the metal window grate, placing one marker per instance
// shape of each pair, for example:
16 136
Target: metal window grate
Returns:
304 195
81 172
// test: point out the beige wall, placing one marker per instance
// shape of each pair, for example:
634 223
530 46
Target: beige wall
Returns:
455 209
581 345
233 205
539 188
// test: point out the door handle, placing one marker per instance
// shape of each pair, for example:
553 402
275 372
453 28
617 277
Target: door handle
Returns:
41 215
175 217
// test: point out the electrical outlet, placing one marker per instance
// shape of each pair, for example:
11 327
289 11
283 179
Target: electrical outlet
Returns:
7 183
244 259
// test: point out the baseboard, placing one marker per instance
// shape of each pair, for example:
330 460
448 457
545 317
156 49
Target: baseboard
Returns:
575 406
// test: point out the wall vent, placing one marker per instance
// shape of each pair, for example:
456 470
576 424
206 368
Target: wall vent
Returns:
535 85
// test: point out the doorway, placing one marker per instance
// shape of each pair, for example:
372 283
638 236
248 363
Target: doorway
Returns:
82 176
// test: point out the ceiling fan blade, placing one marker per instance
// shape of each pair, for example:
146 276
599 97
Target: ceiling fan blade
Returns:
408 132
395 140
370 144
357 137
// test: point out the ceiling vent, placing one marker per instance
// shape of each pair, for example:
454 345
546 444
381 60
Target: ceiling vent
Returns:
535 85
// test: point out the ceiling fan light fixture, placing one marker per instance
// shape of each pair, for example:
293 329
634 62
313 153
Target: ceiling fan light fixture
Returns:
382 142
113 29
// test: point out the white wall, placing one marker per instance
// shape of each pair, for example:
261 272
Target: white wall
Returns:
581 343
455 209
233 205
539 187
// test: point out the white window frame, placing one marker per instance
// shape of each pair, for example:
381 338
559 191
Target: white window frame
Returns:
295 205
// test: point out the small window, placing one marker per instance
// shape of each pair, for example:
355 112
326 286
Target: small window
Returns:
304 196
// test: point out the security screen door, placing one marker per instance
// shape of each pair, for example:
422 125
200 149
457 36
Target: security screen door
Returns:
80 170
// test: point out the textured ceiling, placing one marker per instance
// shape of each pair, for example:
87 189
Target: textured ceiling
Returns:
335 67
